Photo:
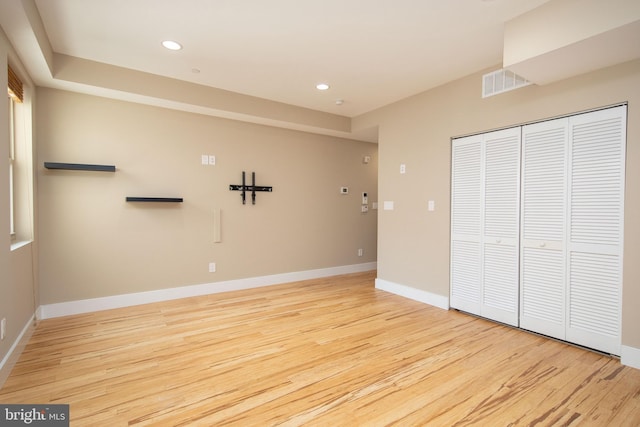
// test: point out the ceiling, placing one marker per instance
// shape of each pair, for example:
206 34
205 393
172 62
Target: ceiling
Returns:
370 52
259 61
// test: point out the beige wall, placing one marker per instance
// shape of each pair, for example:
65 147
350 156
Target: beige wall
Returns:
152 86
17 275
554 42
524 39
94 244
413 242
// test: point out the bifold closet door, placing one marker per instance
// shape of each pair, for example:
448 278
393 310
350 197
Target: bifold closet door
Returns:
537 226
572 228
595 228
466 217
485 224
542 270
501 226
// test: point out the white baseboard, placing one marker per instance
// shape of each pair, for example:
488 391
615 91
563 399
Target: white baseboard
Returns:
49 311
630 356
414 294
12 356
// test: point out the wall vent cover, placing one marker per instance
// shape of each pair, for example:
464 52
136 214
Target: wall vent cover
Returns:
501 81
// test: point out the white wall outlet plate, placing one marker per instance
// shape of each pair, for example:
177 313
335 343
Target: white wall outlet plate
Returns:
344 190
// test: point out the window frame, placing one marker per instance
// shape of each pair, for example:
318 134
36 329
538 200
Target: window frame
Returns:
12 168
20 153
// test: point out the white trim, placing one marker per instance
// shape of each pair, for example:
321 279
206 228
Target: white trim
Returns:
414 294
630 356
49 311
15 351
18 245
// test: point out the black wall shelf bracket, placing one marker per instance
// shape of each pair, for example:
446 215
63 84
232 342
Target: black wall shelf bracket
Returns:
253 188
80 167
155 199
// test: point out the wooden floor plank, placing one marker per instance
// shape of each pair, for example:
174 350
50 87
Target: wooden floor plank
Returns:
327 352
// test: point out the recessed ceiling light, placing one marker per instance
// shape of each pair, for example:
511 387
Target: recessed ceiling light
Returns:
171 45
322 86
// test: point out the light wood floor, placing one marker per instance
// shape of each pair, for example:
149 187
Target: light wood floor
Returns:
329 352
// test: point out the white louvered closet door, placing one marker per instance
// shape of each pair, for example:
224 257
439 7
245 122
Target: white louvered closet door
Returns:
537 226
596 212
542 269
501 225
466 217
485 223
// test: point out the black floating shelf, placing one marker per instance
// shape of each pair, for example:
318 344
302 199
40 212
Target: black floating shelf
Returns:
155 199
80 167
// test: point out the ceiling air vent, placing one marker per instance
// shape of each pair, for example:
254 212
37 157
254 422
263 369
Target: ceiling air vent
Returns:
501 81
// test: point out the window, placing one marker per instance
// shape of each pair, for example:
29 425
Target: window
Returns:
12 160
20 157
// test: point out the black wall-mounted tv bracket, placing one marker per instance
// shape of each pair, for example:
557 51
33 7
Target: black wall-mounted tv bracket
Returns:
253 188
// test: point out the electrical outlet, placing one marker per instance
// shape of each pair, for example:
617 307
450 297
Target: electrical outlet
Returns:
3 328
212 267
360 252
208 159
